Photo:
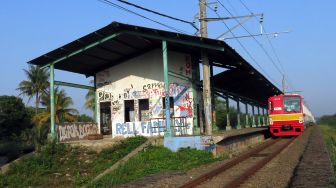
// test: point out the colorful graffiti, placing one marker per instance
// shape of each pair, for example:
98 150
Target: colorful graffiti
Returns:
150 128
76 131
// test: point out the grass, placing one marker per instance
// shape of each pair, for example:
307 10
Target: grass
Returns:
155 159
63 166
329 135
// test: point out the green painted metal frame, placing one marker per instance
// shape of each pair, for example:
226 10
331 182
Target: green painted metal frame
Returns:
166 85
238 115
60 83
82 49
167 39
52 103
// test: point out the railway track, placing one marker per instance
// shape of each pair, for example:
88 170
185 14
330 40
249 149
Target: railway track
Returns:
238 170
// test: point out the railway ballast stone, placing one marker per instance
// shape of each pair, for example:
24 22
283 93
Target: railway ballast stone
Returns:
315 168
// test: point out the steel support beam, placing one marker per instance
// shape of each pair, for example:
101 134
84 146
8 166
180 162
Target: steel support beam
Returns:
52 103
263 115
80 86
259 122
166 85
238 115
246 116
82 49
228 124
253 117
167 39
95 113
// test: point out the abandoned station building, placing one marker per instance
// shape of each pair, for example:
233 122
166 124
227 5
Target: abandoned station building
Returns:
128 64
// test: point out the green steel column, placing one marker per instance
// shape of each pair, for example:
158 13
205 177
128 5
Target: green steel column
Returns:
238 115
95 99
52 103
259 123
263 115
166 84
228 124
246 116
253 117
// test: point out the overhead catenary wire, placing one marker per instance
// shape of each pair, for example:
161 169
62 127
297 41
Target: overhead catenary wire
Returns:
245 49
145 17
259 44
158 13
272 47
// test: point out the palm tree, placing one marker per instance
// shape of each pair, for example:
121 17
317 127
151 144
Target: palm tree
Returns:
63 112
35 85
90 100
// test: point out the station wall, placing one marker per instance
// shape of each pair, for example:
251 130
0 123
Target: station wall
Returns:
135 92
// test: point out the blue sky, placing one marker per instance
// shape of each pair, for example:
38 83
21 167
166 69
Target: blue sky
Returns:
307 53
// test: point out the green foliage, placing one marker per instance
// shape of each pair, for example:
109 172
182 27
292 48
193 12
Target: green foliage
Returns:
13 116
35 85
155 159
327 120
63 166
329 135
84 118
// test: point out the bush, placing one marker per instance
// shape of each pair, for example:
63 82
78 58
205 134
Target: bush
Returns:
13 117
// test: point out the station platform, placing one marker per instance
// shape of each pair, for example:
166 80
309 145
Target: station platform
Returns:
223 135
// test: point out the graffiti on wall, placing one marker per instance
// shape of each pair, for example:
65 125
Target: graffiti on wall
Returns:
76 131
151 128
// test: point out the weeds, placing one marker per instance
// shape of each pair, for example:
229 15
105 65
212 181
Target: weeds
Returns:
155 159
62 165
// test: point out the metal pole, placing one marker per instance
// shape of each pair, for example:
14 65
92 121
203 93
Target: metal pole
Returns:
95 99
228 125
263 114
52 102
259 123
253 117
246 116
166 84
238 115
206 80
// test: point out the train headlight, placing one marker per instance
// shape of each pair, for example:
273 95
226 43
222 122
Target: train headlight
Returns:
270 121
301 120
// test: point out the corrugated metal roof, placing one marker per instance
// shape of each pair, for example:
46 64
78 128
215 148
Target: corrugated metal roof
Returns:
131 41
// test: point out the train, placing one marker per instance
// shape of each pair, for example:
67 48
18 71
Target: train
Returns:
288 115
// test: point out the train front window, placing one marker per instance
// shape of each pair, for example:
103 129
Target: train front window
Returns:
292 104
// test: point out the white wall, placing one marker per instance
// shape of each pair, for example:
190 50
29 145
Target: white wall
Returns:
142 78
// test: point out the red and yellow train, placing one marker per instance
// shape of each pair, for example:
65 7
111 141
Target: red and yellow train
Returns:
288 116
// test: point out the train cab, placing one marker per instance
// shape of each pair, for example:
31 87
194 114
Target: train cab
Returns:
286 115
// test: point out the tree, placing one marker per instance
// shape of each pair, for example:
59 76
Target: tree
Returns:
13 116
90 100
63 112
35 85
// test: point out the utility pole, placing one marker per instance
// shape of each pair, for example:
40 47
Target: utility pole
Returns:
206 71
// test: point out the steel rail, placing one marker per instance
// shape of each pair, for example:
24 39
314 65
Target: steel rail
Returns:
252 170
226 166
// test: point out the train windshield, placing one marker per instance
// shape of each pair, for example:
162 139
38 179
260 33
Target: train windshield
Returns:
292 104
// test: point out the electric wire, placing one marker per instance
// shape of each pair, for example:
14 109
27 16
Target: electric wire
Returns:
272 47
244 48
147 18
158 13
259 44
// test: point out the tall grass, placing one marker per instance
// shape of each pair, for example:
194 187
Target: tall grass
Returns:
329 135
64 166
155 159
